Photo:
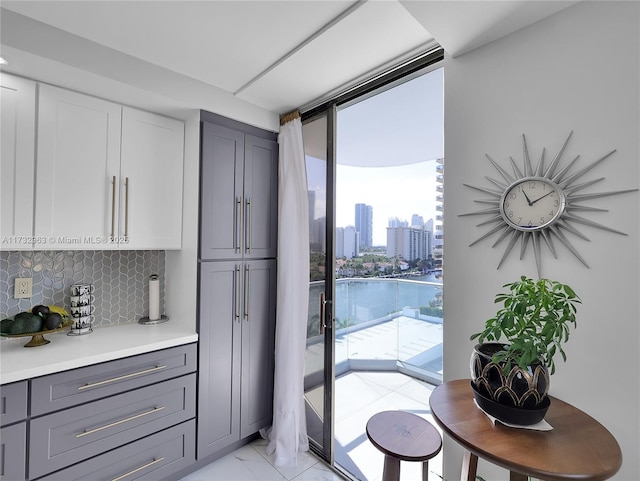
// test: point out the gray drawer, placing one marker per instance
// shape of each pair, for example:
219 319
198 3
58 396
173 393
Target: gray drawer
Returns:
13 402
61 439
13 452
69 388
155 457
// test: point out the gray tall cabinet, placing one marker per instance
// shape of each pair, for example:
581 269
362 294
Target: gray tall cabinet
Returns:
237 281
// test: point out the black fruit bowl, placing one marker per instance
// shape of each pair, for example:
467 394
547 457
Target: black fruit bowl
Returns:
509 414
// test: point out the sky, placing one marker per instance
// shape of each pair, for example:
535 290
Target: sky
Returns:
386 151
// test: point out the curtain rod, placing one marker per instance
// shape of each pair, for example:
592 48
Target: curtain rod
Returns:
289 117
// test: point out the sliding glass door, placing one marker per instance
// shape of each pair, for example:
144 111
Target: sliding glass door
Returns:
375 284
319 353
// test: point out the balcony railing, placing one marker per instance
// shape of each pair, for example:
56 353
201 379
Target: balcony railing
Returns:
378 320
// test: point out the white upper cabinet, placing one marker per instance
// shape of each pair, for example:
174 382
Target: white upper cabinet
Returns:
151 169
78 170
108 177
17 160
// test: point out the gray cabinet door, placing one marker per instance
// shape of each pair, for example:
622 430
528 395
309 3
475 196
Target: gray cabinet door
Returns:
13 449
222 204
13 402
258 332
219 363
260 197
239 195
152 458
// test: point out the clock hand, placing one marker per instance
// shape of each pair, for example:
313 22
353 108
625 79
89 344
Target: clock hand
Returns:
526 196
539 198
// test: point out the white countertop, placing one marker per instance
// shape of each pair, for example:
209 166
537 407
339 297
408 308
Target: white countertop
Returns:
103 344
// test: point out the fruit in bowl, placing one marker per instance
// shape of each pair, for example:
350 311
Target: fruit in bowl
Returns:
39 318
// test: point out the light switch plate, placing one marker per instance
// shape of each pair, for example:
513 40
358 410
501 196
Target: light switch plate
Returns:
23 288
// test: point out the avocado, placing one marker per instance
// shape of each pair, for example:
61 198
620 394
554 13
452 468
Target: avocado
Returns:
6 326
26 323
53 320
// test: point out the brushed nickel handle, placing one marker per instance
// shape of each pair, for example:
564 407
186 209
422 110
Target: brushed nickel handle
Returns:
133 471
113 207
236 229
247 232
236 284
247 287
126 420
322 311
126 208
120 378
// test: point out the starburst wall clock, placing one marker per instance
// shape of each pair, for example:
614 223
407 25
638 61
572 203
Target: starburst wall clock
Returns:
539 206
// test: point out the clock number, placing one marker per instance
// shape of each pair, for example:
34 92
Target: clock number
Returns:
532 184
513 195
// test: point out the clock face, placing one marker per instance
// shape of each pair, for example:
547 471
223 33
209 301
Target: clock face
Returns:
532 203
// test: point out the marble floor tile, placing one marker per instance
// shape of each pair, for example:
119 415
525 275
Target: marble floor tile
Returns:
244 464
358 396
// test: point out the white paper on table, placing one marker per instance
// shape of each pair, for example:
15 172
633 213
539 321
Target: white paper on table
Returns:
540 426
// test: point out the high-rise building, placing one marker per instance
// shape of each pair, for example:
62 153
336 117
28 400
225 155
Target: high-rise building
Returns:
417 220
408 243
339 242
395 222
351 242
364 224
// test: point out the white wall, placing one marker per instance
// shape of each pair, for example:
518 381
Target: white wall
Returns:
577 70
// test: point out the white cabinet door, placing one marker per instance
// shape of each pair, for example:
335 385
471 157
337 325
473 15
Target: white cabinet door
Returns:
151 181
78 163
17 161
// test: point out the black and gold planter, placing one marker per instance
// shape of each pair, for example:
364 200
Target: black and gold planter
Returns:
519 388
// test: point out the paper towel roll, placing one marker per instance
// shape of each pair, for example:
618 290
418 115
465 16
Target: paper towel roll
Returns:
154 297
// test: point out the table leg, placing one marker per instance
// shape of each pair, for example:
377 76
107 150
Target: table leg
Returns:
513 476
469 467
425 471
391 470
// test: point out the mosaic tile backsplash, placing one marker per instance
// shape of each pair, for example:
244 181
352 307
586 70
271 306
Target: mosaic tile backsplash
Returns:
120 279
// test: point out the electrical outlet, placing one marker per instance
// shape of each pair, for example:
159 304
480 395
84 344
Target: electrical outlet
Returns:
23 287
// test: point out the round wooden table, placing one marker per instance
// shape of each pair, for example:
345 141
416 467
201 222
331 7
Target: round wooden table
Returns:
577 448
403 436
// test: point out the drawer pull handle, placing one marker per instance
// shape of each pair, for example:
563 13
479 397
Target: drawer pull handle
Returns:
138 469
126 420
120 378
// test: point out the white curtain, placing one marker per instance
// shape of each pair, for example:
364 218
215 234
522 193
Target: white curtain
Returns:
288 434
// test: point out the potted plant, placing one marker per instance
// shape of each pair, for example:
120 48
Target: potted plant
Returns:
515 351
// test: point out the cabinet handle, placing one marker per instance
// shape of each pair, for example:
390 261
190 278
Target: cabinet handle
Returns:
113 207
238 223
247 284
247 227
120 378
236 285
126 420
126 208
133 471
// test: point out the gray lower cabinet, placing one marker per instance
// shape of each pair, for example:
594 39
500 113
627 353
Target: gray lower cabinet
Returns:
131 418
152 458
236 334
13 402
13 452
13 434
66 437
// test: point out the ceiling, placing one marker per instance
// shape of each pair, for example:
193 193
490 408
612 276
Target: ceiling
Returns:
267 55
